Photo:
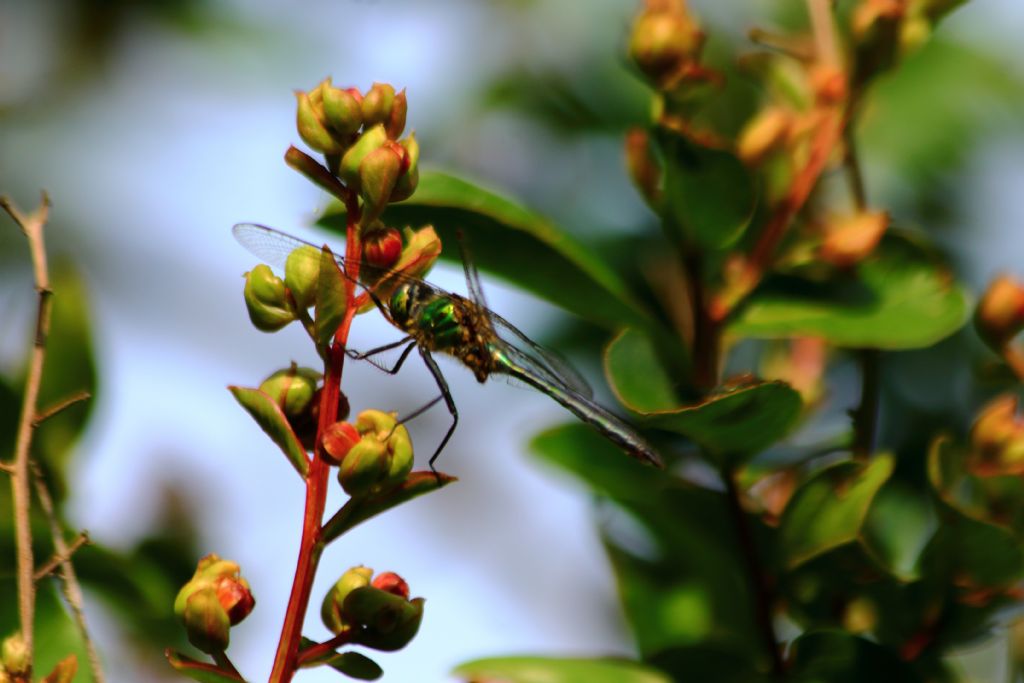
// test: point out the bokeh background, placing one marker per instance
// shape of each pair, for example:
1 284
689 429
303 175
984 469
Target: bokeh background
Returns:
156 125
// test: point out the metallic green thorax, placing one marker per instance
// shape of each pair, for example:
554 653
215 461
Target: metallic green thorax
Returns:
444 322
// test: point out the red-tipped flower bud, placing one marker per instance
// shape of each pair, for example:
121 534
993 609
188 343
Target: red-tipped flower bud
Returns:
338 440
302 275
410 176
311 121
215 599
371 139
396 119
382 247
377 104
267 300
292 389
343 109
381 459
378 174
330 609
1000 313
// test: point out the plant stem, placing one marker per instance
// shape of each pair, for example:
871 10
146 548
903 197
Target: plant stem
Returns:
32 226
759 581
865 415
311 545
328 646
706 333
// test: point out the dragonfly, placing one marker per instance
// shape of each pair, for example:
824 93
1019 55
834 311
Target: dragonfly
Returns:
437 321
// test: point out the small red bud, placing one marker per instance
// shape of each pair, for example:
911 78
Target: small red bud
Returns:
339 439
382 247
1000 314
235 597
391 583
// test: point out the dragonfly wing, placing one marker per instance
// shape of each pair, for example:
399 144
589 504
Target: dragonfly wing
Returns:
536 355
273 246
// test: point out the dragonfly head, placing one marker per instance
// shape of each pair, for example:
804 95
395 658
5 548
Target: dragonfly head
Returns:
400 306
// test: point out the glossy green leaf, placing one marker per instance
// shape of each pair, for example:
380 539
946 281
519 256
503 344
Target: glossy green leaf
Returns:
510 241
899 525
709 194
690 588
358 510
272 420
901 298
829 509
330 298
840 657
556 670
732 425
204 672
352 664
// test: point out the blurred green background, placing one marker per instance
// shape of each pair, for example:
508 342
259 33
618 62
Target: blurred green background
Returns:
157 125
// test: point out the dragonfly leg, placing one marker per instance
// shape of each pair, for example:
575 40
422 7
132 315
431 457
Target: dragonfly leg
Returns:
446 394
367 356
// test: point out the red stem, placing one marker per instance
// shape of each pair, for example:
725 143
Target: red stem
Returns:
286 661
316 651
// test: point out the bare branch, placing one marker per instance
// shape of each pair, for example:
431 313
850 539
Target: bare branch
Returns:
57 407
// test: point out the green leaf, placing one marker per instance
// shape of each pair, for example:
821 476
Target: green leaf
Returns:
829 509
709 193
732 425
516 244
901 298
352 664
556 670
840 657
272 420
900 523
358 510
203 672
330 298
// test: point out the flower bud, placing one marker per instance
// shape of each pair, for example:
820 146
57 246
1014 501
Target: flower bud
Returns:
292 389
767 131
377 105
267 300
302 274
391 582
382 247
396 119
852 238
380 459
997 439
15 657
410 177
371 139
644 169
388 621
330 609
343 109
663 42
311 122
422 249
215 599
378 174
338 440
1000 313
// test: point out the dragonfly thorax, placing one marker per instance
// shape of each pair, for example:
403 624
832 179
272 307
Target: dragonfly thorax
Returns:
440 321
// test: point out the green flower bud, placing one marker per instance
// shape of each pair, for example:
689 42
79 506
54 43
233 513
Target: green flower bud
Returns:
266 299
378 174
381 459
311 123
330 609
377 104
206 621
422 249
371 139
364 467
292 389
301 275
408 180
396 119
343 109
663 42
399 445
389 621
15 657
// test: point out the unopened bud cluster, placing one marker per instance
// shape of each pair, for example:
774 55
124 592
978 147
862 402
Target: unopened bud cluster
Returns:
359 134
373 455
375 610
214 600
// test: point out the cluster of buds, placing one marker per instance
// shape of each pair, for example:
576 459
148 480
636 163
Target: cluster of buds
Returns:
214 600
665 43
997 439
372 455
1000 313
296 392
359 135
375 610
884 30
